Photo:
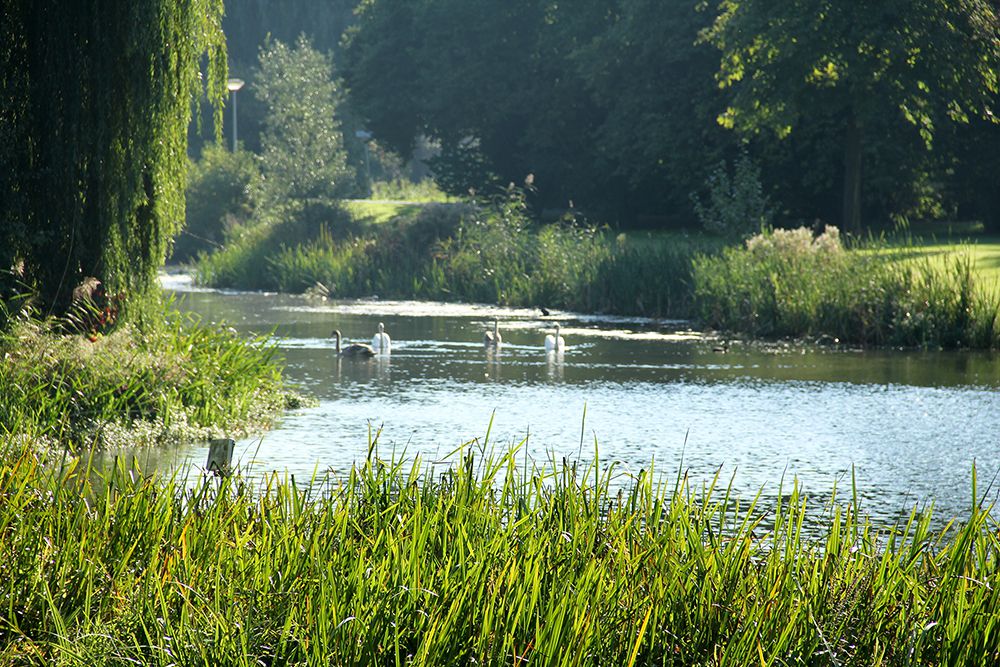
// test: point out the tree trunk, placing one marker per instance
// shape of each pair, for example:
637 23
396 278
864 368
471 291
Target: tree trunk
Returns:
852 176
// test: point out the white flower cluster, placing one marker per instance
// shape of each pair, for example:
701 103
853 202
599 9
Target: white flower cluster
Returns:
796 242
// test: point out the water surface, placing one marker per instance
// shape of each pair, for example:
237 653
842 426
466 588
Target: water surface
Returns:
909 424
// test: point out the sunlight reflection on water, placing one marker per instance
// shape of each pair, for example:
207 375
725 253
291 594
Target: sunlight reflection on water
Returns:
910 424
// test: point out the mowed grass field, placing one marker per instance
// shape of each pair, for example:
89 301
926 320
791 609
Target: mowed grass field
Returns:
983 251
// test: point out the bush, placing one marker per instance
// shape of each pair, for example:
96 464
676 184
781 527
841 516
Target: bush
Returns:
736 206
218 200
787 283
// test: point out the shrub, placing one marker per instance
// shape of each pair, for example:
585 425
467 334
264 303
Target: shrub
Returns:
786 283
490 257
736 205
218 200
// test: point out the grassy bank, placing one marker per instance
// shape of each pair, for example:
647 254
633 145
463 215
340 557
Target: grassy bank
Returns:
490 562
789 284
487 253
166 379
983 251
781 284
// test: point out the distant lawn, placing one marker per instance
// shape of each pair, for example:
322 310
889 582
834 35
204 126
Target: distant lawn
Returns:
399 198
984 251
380 211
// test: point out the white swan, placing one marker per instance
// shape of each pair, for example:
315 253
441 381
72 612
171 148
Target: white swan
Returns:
493 338
381 343
354 350
555 344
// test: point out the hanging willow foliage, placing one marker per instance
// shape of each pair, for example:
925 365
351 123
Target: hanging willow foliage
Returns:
95 99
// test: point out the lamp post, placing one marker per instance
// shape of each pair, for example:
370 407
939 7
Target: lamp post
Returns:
233 85
364 136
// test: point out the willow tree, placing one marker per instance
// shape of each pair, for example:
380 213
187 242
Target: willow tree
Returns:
95 99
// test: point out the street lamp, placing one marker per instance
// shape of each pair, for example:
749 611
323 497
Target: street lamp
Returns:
232 86
365 136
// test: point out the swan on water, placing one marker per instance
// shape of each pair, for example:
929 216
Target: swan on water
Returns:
493 338
381 343
354 350
555 343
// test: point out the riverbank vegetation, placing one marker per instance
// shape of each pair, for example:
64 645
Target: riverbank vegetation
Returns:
486 252
790 283
153 381
778 283
493 560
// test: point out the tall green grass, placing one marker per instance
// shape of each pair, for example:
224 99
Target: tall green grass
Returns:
492 560
487 253
168 379
785 283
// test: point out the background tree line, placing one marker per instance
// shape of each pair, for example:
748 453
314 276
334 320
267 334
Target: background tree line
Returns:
855 113
852 112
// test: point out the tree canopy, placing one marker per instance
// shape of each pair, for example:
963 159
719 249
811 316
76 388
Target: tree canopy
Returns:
95 98
628 106
303 158
925 62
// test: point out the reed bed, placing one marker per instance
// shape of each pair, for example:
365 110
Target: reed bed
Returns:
489 253
787 283
165 380
491 560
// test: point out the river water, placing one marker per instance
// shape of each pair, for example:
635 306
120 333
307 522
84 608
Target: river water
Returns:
909 425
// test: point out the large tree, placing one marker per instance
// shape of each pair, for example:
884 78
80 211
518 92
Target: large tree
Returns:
303 162
95 98
919 63
645 67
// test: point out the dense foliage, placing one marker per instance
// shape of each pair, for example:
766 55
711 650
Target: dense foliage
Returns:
788 283
152 382
872 73
494 561
488 252
617 106
219 199
95 99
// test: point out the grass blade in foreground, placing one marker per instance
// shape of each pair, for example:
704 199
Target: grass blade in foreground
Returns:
493 562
